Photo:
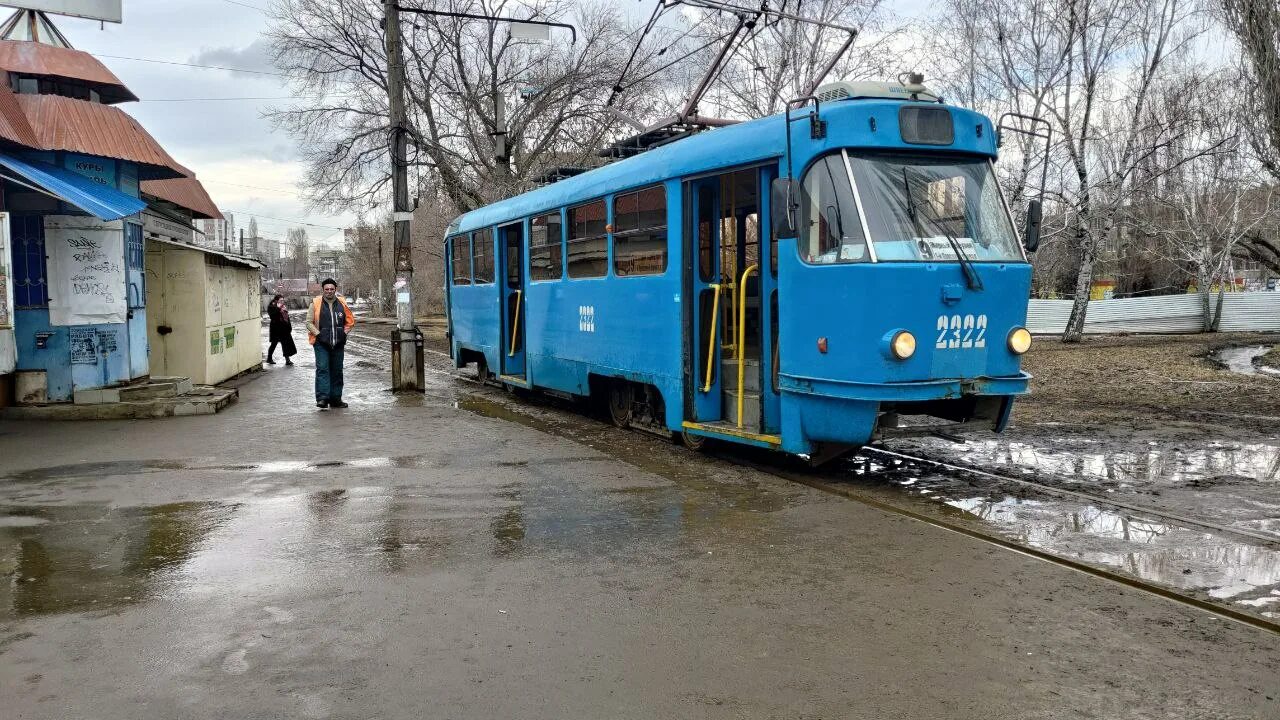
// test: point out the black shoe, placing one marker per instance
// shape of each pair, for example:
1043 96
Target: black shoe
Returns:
337 404
288 362
322 404
270 361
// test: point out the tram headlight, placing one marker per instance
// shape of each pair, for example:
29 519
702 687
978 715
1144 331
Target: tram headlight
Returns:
902 344
1019 341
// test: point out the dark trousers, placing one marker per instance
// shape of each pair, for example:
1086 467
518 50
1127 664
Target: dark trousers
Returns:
328 373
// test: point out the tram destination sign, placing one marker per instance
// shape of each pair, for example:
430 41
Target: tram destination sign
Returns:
106 10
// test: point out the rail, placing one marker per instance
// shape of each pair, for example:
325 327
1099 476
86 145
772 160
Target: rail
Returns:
515 323
711 335
742 332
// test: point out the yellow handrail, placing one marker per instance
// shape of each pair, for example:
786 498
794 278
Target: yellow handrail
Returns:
515 323
742 331
711 335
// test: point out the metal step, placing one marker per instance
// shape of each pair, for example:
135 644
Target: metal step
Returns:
750 375
750 409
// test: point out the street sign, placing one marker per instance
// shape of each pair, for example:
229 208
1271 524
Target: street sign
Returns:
527 31
107 10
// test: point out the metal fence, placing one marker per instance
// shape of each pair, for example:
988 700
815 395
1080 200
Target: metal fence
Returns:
1256 311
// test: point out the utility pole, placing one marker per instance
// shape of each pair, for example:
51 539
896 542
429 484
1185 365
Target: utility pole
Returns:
407 372
241 241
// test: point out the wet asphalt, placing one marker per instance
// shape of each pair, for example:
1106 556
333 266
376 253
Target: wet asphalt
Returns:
443 556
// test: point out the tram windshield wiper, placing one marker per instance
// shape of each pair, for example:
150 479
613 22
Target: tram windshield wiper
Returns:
971 277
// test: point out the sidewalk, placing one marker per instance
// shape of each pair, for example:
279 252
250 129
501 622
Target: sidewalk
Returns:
442 556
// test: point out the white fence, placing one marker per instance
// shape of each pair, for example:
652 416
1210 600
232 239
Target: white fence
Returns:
1256 311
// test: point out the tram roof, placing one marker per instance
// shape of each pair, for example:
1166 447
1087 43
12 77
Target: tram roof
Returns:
746 143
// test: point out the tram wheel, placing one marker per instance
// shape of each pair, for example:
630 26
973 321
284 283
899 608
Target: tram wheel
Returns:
482 371
696 443
620 402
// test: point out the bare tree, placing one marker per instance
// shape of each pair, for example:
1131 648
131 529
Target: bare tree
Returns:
299 265
1210 200
1256 24
778 57
369 259
1119 50
458 72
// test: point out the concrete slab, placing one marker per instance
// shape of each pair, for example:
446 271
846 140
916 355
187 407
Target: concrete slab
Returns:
202 400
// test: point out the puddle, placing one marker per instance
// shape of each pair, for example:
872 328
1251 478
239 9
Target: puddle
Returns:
1144 547
1096 463
1240 360
1149 549
92 557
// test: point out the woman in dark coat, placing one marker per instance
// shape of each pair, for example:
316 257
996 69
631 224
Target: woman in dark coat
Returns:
281 332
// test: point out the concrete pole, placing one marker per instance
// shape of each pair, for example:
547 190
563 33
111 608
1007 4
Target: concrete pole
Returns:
406 375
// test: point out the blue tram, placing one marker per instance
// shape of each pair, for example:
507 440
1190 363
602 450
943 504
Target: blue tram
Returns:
805 282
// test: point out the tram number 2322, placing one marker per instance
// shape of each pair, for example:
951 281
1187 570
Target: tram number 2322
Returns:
961 332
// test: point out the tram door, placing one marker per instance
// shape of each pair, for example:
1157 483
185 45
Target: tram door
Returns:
511 238
727 317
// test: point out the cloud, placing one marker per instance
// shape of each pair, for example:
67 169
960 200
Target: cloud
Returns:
254 56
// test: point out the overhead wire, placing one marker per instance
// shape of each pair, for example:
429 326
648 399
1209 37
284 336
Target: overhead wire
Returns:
194 65
286 220
246 5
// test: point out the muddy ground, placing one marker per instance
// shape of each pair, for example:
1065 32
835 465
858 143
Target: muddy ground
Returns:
1137 383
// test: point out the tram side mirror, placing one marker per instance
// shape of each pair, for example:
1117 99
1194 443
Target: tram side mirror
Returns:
784 203
1031 238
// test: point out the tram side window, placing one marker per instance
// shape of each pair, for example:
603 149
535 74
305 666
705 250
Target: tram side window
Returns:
588 247
545 248
482 251
640 232
830 230
460 254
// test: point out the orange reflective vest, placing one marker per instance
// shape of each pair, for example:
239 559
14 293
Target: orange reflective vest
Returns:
314 316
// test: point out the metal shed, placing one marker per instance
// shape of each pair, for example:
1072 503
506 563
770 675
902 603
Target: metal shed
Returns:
204 311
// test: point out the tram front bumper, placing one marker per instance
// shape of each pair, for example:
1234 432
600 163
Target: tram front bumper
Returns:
905 391
818 410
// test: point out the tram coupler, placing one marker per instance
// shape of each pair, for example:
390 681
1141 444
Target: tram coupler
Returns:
408 369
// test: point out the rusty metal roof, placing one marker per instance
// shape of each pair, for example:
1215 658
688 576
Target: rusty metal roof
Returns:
14 126
62 123
33 58
186 192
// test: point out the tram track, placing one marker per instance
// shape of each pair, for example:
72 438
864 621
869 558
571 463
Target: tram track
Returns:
1266 539
975 530
993 538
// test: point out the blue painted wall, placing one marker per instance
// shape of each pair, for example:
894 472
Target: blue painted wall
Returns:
121 349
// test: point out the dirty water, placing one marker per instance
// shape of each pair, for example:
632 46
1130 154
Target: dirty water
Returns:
91 558
1146 547
1241 360
60 555
1246 478
1233 484
1188 559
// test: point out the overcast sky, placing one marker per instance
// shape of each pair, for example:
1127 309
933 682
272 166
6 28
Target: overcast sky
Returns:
247 167
226 142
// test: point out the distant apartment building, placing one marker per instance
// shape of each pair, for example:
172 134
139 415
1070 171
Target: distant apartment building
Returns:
217 234
327 263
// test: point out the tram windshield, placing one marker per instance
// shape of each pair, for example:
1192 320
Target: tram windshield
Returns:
934 209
